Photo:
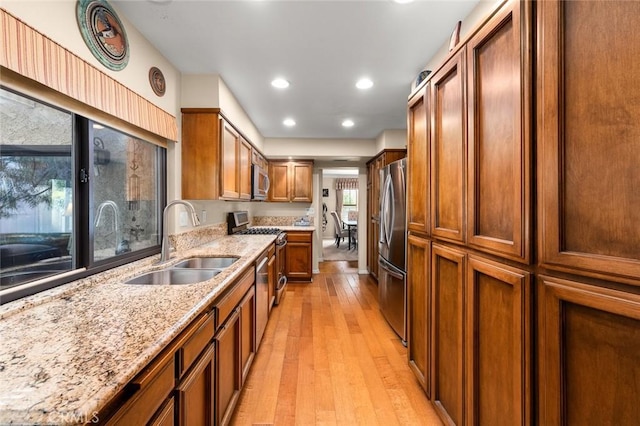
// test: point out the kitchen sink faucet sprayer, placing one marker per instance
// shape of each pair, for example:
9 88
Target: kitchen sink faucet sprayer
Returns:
165 254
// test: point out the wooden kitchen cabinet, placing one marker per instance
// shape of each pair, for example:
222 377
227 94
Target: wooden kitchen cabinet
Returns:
419 310
228 368
235 344
150 389
418 162
497 344
298 253
447 332
291 181
499 104
589 356
449 150
236 164
247 332
588 156
216 157
195 392
197 378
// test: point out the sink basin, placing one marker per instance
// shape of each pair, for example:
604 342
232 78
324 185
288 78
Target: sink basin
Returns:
174 276
206 262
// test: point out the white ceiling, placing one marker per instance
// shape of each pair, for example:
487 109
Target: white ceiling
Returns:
321 47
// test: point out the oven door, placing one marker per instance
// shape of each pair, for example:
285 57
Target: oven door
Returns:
259 183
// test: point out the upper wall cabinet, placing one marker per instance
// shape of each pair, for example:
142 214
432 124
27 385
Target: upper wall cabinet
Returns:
448 150
418 159
216 158
499 141
291 181
588 133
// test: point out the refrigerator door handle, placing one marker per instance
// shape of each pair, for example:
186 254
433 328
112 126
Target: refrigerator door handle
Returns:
384 265
388 211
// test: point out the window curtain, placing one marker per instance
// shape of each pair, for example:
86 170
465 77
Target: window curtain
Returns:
341 185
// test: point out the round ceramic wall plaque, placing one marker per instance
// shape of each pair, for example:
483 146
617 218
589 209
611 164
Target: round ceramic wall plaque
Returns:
103 33
156 79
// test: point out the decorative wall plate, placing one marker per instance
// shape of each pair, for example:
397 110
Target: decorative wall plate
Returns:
103 33
156 79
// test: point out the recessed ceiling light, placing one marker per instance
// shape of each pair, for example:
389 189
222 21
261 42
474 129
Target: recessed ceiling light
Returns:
364 83
403 1
347 123
289 122
280 83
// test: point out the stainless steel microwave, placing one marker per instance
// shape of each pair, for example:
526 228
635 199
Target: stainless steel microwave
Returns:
259 183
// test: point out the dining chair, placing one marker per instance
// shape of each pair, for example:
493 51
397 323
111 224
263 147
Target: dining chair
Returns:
339 228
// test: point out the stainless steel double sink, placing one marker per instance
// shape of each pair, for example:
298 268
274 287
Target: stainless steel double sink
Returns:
189 271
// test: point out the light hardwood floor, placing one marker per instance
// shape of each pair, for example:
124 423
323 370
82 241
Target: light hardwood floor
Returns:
329 357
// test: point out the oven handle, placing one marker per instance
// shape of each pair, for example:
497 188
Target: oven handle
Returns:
282 282
282 244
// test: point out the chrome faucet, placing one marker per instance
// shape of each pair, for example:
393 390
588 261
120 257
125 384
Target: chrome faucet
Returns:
119 246
165 254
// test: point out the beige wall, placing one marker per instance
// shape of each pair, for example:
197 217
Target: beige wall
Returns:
390 139
319 148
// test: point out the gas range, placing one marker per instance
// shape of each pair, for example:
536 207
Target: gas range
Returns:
238 224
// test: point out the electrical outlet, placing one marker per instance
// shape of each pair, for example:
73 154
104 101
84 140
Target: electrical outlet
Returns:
203 218
310 211
183 218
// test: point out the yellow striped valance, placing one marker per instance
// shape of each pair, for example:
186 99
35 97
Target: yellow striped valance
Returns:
30 54
346 183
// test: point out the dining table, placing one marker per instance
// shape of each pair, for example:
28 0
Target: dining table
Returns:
351 226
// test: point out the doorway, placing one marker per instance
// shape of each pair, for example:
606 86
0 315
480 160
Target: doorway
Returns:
340 194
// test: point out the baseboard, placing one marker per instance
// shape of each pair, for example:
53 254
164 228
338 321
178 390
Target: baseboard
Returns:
316 271
363 272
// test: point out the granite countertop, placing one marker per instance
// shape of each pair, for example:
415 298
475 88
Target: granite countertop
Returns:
67 351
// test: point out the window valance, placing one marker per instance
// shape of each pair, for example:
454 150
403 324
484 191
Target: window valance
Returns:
347 183
85 89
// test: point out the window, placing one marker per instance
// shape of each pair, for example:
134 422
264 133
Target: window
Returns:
76 197
349 203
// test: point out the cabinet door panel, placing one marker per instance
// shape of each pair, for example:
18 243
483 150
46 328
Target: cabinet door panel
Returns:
228 374
447 290
298 261
279 177
200 156
195 393
499 80
418 162
301 182
247 332
419 306
589 354
497 344
230 143
448 150
244 169
588 135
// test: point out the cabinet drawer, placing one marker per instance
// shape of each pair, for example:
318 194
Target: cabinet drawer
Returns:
200 333
166 414
151 388
304 237
229 301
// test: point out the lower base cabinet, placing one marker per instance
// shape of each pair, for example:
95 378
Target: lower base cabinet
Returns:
497 344
419 310
589 356
298 252
195 393
228 374
197 379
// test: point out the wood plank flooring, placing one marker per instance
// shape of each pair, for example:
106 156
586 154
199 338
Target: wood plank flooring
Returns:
328 357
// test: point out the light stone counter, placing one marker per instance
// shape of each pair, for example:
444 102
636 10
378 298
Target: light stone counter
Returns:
66 352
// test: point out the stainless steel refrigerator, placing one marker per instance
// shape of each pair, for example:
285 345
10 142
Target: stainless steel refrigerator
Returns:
392 283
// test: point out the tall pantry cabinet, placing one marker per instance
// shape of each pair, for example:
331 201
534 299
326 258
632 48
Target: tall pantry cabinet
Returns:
523 258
